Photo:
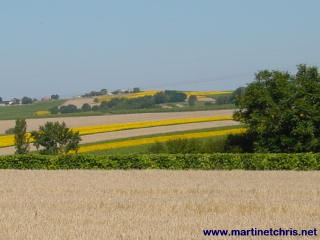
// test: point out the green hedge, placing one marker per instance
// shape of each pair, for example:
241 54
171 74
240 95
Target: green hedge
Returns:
217 161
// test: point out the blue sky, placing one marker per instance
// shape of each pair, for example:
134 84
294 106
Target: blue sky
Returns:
73 46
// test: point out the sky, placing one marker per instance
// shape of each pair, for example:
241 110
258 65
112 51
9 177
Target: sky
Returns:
69 47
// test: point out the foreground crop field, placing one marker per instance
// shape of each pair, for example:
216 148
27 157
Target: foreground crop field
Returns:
154 204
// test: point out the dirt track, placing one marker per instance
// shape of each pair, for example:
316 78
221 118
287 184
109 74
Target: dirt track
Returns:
140 132
33 124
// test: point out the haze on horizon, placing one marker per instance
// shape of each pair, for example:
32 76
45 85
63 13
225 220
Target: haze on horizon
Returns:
72 47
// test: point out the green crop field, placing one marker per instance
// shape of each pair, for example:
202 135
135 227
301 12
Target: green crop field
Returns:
26 111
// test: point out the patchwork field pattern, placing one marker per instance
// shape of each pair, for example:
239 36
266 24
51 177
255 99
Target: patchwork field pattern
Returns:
149 140
8 140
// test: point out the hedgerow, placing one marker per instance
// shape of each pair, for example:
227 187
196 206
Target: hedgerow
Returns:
216 161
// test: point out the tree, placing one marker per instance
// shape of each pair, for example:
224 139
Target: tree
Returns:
1 99
192 100
103 91
223 99
54 97
26 100
175 96
236 94
282 111
54 110
86 107
160 97
68 109
136 90
55 138
21 139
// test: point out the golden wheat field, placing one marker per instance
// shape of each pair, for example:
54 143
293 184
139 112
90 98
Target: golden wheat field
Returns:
154 204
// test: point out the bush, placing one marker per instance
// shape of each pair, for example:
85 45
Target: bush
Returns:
68 109
217 161
86 107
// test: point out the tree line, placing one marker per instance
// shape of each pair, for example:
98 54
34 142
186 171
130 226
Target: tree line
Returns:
120 103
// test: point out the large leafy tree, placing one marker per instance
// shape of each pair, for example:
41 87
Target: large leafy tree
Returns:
282 111
55 138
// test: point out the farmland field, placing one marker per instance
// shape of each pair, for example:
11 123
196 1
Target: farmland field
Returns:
26 111
124 134
33 124
154 204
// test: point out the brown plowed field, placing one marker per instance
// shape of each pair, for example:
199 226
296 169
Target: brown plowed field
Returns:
155 204
33 124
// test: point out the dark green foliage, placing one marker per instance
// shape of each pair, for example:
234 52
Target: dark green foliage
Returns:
160 97
54 110
169 96
183 146
96 93
237 94
86 107
136 90
239 143
68 109
282 111
192 100
224 99
95 108
127 103
217 161
20 137
175 96
54 97
55 138
175 146
26 100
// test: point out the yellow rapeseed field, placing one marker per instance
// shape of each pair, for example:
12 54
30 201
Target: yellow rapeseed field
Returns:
8 140
131 95
206 93
149 140
42 113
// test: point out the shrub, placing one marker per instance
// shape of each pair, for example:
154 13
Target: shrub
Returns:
68 109
217 161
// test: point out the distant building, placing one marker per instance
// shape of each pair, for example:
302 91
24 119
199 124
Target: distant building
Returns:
14 101
5 103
